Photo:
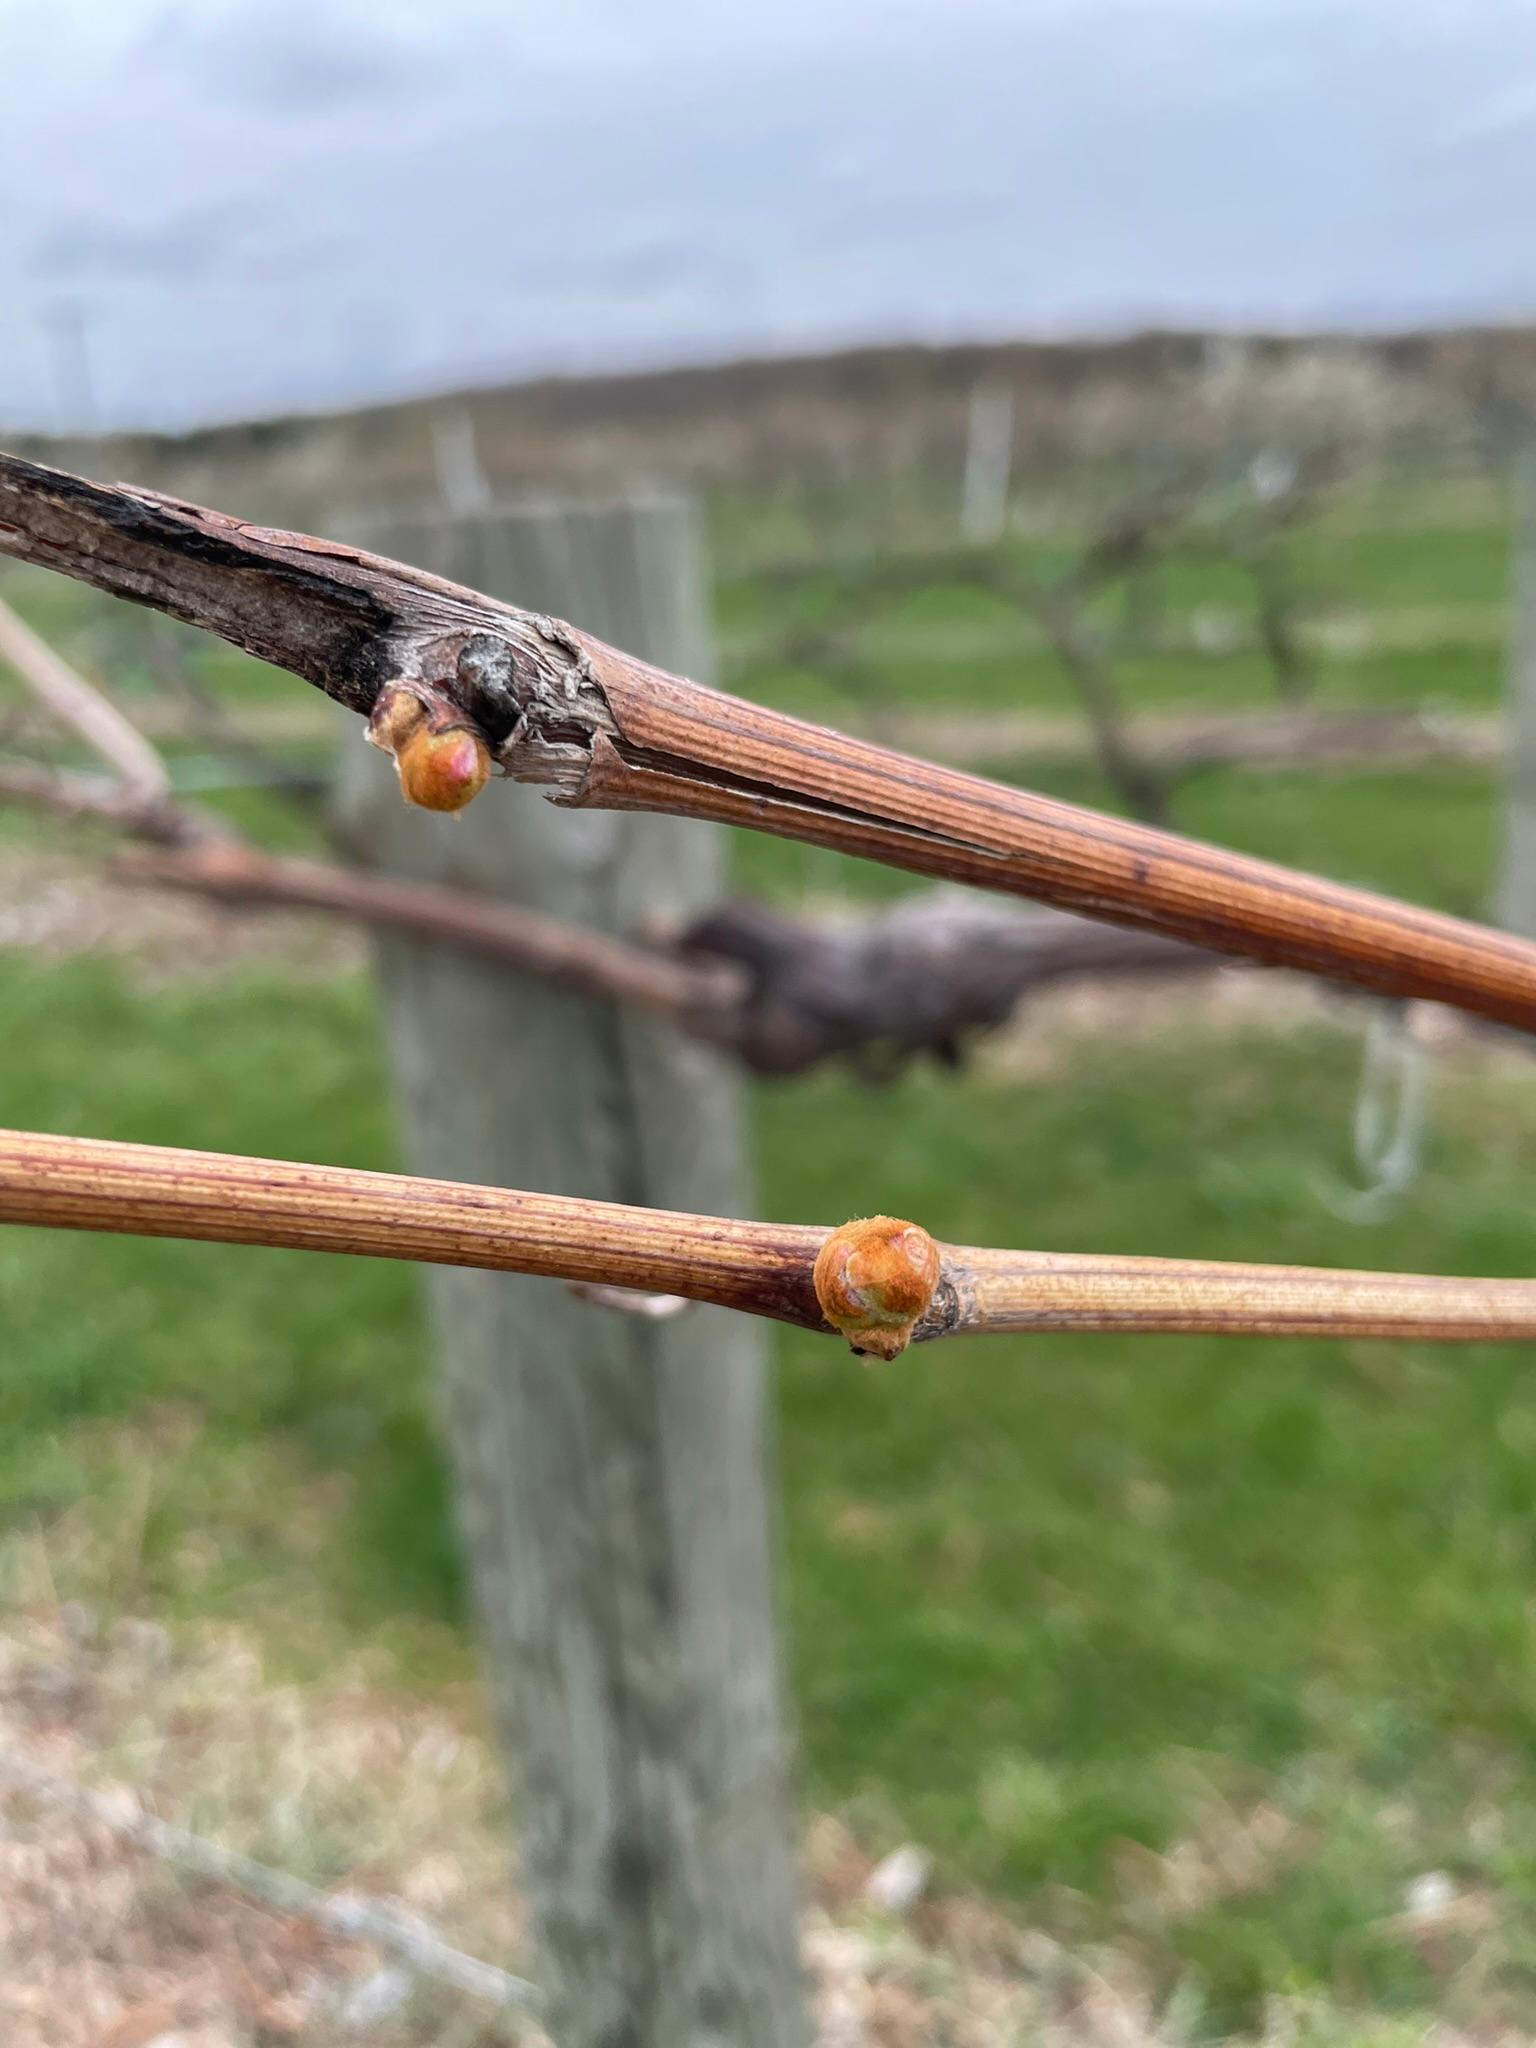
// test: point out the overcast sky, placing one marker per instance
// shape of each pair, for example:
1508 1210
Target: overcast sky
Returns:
243 206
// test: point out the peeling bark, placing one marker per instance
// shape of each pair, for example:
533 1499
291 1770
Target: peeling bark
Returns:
602 729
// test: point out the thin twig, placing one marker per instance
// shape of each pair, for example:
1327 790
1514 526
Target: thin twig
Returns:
598 728
387 1926
761 1269
71 794
1138 780
166 821
84 709
780 994
190 850
590 961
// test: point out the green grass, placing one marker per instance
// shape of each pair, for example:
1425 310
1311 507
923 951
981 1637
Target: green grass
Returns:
1037 1589
941 642
1031 1571
1001 669
1374 566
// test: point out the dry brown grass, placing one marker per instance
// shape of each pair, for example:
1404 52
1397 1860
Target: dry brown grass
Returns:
359 1785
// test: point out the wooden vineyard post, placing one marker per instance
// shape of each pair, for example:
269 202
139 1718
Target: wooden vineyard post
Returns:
612 1468
988 465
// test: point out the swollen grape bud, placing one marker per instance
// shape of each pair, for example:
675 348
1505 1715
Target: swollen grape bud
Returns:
443 762
874 1279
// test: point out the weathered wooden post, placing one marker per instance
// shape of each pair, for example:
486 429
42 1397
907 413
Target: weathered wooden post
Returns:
1515 905
612 1468
988 464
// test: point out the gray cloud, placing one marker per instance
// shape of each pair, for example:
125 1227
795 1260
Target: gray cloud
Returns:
182 249
258 206
295 59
